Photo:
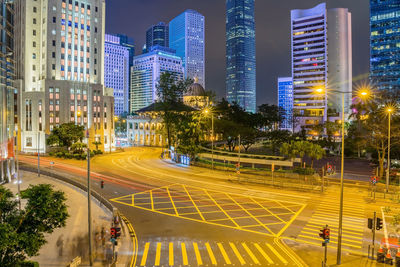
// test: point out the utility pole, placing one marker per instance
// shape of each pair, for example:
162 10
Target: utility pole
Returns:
212 140
239 149
38 154
388 162
89 202
340 228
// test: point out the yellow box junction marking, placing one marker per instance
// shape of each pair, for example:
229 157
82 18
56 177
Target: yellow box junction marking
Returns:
248 213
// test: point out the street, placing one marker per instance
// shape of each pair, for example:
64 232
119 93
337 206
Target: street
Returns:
195 216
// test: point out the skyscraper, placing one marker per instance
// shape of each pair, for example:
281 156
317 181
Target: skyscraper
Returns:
60 70
7 92
385 46
285 101
116 72
157 35
241 53
146 72
186 36
321 41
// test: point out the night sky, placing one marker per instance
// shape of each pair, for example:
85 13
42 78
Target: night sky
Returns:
133 17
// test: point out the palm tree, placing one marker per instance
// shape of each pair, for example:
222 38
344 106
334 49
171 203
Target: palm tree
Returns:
315 152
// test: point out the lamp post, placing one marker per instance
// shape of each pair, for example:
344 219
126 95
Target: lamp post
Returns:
389 110
207 110
362 94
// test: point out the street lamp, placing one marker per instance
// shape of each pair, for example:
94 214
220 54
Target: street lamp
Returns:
389 110
361 93
206 111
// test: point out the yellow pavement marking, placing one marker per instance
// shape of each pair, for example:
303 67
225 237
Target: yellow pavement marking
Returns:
291 221
252 256
184 254
173 204
134 241
151 198
334 226
259 248
334 242
158 254
226 214
277 254
197 253
318 244
133 199
257 220
267 210
334 237
210 252
145 252
194 204
236 251
171 254
316 230
223 252
350 219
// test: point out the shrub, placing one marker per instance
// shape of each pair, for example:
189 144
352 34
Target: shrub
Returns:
29 264
305 171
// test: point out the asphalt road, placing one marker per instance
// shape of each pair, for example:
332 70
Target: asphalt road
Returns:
194 216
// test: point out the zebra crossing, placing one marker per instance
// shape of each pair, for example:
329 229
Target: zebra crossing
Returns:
210 254
327 213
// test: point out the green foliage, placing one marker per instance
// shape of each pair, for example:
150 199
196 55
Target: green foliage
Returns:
304 171
371 121
302 149
271 115
78 147
22 231
65 135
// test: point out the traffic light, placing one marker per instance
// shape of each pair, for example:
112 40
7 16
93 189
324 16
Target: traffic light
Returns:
102 184
379 223
117 232
370 223
113 232
327 234
321 233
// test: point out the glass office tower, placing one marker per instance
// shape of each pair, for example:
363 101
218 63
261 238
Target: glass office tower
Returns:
186 37
157 35
241 53
385 46
285 101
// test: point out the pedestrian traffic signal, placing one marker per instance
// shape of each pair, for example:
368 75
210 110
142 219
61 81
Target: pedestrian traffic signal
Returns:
379 223
370 223
102 184
325 234
117 231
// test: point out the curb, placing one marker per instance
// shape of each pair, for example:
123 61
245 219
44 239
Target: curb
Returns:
94 194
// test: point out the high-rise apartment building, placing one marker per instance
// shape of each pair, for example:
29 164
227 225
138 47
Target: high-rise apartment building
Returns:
385 46
157 35
60 70
321 59
116 72
146 72
241 53
186 36
285 101
8 96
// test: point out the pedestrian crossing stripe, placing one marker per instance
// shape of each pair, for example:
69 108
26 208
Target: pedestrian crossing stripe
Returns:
334 237
334 242
314 230
247 253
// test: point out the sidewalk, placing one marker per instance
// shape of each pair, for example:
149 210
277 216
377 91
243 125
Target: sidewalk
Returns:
64 244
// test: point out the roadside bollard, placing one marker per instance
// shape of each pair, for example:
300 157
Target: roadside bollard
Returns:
380 255
388 258
398 258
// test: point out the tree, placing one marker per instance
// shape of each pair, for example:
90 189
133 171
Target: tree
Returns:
301 149
170 91
65 135
22 231
315 152
372 118
272 115
277 137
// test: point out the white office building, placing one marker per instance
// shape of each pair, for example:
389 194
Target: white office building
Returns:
321 59
59 55
146 71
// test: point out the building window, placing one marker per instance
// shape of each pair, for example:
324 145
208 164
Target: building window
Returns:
54 19
34 21
28 115
34 32
28 141
54 42
34 44
40 115
34 9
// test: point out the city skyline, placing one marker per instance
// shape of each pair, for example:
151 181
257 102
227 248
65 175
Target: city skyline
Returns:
273 54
